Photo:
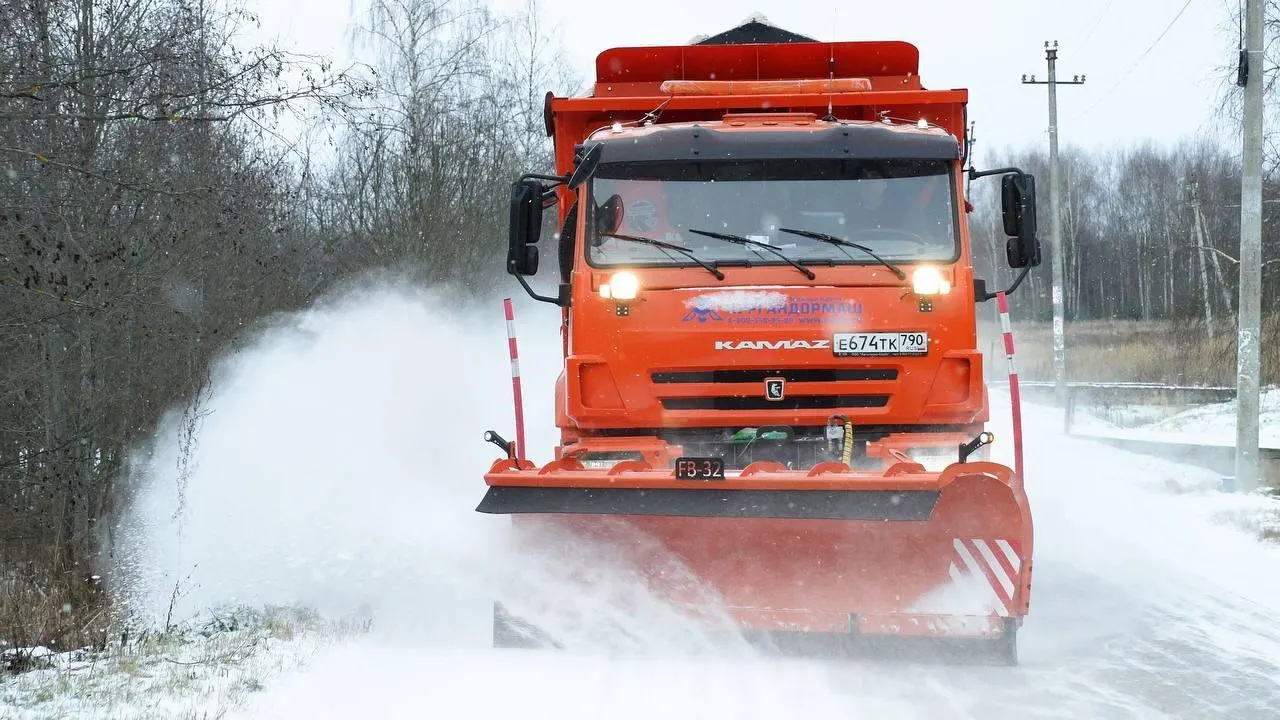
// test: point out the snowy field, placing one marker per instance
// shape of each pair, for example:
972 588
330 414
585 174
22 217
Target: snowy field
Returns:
339 469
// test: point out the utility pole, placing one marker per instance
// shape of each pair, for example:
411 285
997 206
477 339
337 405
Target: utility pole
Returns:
1055 221
1198 258
1249 335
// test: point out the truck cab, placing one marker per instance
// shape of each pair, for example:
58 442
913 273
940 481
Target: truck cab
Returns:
764 255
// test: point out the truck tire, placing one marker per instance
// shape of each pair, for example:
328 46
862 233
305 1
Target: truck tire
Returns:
510 631
1006 646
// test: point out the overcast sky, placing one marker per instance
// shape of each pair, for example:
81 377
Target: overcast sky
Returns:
986 46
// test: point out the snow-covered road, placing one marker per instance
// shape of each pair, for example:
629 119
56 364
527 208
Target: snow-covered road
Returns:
342 463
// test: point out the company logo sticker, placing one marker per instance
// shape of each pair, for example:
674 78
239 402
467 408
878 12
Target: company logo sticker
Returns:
702 316
768 309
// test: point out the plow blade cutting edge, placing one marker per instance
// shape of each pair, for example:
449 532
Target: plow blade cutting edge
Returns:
903 552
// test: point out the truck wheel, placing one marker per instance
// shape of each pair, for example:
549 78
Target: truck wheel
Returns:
510 631
1006 646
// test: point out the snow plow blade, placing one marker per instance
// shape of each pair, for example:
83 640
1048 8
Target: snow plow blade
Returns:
898 552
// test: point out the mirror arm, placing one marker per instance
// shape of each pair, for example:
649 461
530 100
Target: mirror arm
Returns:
562 300
561 179
1017 281
986 295
974 173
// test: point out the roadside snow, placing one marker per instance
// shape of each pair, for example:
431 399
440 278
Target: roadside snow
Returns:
195 671
1213 424
1218 422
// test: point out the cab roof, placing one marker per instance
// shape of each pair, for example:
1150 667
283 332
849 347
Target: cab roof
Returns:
770 137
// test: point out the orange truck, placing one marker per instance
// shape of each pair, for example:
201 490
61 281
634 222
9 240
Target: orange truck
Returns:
771 368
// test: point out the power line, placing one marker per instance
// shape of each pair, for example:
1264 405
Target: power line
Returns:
1133 66
1096 23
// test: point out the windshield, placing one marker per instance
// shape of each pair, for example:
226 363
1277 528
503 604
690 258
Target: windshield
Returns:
901 210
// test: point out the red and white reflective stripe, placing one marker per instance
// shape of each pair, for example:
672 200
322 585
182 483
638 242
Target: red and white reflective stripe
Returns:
995 563
515 376
1015 395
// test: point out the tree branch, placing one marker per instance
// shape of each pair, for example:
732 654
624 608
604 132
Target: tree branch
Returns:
99 176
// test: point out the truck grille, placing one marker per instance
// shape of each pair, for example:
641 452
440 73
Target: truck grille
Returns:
794 402
794 375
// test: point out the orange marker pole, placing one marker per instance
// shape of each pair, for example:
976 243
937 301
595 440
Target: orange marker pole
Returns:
1015 396
515 377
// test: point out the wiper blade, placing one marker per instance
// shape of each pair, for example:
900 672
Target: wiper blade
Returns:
846 243
711 268
748 241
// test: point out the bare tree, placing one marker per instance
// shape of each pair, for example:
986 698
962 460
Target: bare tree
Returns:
425 166
1135 246
138 211
151 209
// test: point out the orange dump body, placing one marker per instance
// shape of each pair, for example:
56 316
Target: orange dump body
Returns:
748 368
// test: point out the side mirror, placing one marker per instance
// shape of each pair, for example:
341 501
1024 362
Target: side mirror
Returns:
586 168
525 227
609 216
1018 196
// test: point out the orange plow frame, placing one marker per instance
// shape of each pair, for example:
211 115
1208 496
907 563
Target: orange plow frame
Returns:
902 552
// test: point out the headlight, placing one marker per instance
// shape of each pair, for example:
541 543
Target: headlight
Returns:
929 281
622 286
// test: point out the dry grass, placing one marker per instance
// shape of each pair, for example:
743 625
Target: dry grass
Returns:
1174 352
42 607
199 669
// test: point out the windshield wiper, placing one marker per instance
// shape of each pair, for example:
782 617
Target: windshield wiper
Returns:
845 243
711 268
747 241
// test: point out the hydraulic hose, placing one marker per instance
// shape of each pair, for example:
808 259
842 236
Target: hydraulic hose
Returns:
848 443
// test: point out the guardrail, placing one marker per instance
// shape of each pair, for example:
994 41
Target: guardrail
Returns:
1138 392
1218 458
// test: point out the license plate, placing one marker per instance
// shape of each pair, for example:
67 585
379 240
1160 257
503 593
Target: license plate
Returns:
693 468
880 343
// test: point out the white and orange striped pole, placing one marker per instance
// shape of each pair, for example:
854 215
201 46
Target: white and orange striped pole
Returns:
515 377
1015 397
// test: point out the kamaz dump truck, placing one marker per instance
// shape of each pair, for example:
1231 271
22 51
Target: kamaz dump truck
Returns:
771 366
